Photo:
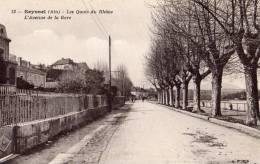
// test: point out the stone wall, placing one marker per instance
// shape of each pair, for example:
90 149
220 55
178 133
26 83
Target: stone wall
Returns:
24 136
29 135
20 137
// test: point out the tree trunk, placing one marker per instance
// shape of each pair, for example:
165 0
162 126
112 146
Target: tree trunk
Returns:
196 94
164 97
159 97
185 95
167 96
216 91
253 117
177 96
172 96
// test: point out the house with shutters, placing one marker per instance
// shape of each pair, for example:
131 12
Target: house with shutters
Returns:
8 67
12 67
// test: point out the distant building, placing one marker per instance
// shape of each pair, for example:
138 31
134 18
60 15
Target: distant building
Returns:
139 92
63 69
30 73
64 64
68 64
7 66
82 66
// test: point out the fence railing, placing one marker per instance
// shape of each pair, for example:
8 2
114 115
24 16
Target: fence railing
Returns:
7 89
29 107
236 106
10 90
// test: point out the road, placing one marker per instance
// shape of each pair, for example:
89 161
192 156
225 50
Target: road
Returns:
152 134
146 133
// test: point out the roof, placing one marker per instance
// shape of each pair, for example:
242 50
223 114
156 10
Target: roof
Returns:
31 70
83 65
3 33
63 61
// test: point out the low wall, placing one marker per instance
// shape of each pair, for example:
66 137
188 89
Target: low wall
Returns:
20 137
118 101
31 134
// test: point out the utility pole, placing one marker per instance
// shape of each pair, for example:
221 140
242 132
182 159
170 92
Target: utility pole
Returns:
110 92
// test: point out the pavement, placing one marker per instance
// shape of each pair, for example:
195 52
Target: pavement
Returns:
152 134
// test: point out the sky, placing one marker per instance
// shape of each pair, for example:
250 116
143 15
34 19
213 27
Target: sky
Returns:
46 41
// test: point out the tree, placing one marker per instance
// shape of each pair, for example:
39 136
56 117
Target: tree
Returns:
72 82
93 81
124 83
198 27
239 20
198 44
154 67
89 81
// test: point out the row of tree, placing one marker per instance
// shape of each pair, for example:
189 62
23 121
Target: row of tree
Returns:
119 77
195 38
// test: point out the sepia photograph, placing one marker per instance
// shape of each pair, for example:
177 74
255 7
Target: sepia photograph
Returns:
129 81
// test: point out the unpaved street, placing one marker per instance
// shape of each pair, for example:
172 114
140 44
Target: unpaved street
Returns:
153 134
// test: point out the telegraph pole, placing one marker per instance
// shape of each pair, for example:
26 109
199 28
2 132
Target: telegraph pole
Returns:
110 78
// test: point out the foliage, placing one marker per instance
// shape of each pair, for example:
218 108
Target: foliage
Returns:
22 84
89 81
94 81
238 95
53 74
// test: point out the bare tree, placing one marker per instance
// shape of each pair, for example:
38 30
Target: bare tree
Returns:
214 48
123 81
195 26
239 19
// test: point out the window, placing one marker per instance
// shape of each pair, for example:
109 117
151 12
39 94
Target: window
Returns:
12 76
1 54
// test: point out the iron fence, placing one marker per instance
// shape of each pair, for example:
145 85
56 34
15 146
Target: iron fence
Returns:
7 89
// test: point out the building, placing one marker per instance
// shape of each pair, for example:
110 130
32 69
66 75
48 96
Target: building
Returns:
64 64
139 92
69 64
30 73
7 66
12 67
64 69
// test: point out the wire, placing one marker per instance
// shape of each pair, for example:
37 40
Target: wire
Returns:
98 23
98 19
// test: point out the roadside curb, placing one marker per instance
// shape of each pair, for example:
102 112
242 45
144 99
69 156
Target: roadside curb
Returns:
9 157
240 127
67 156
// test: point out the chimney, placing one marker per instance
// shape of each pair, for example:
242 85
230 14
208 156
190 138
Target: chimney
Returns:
19 60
